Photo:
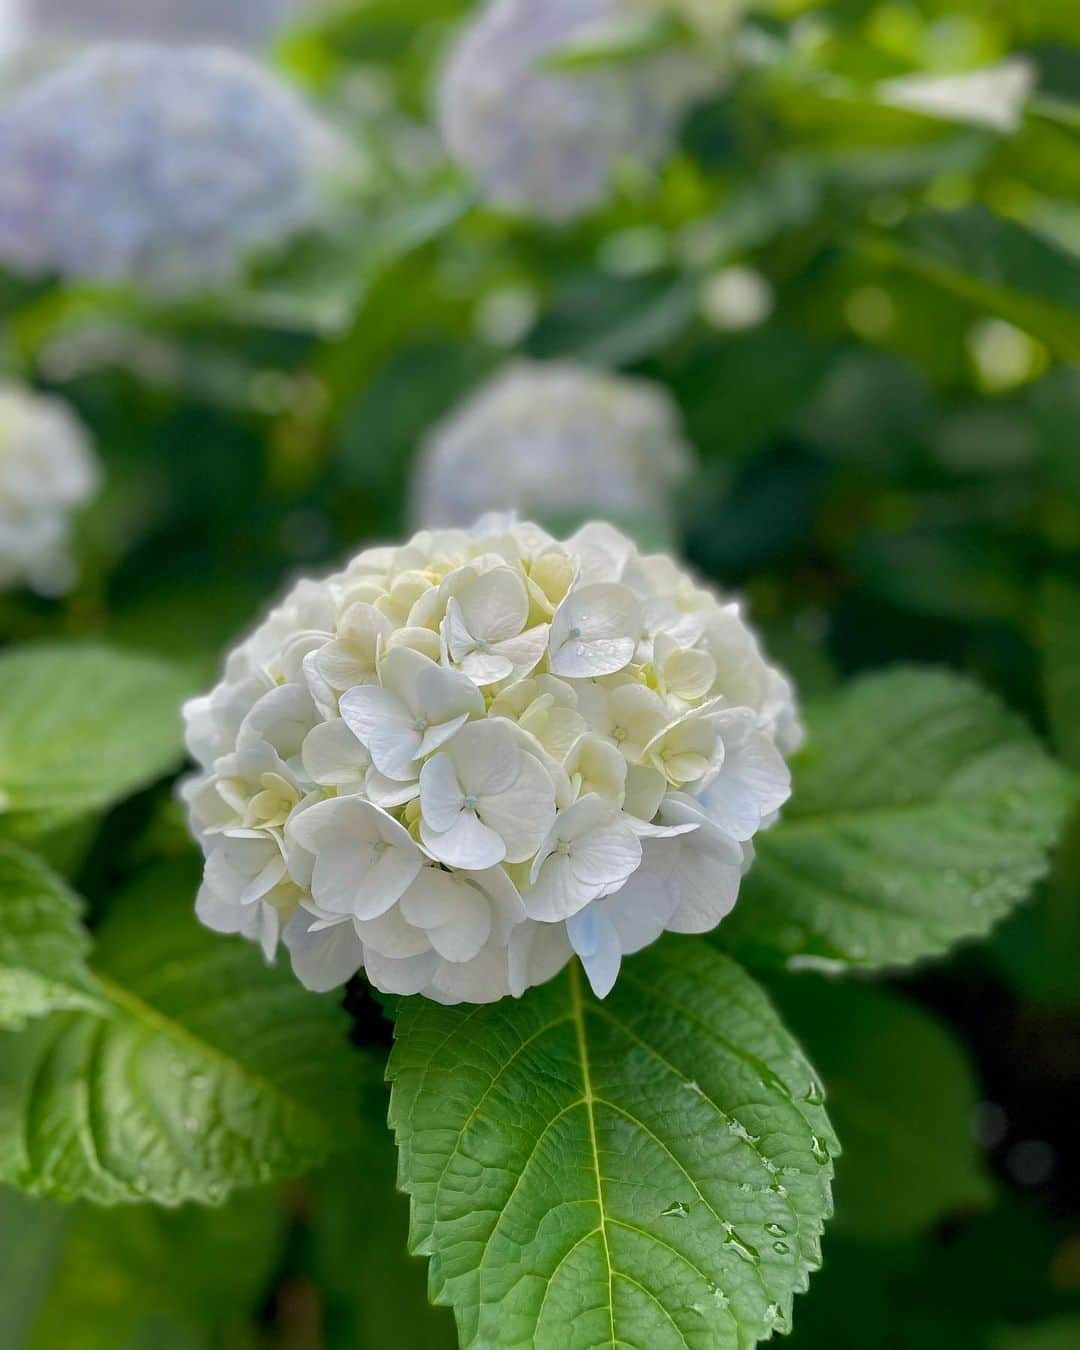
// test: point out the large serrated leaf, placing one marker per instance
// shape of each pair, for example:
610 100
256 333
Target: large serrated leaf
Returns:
922 812
81 726
649 1170
203 1070
43 946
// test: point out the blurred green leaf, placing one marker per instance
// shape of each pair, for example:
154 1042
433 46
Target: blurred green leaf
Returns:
81 726
1059 623
374 1293
900 1091
1039 948
130 1279
652 1169
205 1068
1061 1334
43 946
922 812
998 265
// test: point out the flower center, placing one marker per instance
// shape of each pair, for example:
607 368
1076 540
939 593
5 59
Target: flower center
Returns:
469 802
481 644
420 725
575 633
618 733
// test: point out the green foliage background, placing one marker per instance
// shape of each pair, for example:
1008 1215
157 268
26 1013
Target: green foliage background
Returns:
889 469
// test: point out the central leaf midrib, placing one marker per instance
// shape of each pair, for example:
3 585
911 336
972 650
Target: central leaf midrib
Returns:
577 1009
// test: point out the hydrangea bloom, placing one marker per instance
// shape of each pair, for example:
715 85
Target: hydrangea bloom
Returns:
47 469
159 165
546 141
248 24
553 441
459 762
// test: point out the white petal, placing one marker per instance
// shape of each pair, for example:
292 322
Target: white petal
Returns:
523 813
558 893
381 721
604 858
337 818
332 756
486 667
453 910
467 844
495 605
410 976
536 953
445 695
388 792
459 641
441 795
596 940
391 934
244 867
325 958
595 631
281 718
486 757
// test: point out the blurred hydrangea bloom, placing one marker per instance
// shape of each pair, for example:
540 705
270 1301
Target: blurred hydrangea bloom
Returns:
461 761
547 141
555 442
244 23
158 165
47 469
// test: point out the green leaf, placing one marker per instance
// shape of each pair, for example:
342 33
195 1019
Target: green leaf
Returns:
901 1092
1039 948
43 945
922 812
1063 1333
81 727
1059 616
205 1069
998 265
651 1170
138 1277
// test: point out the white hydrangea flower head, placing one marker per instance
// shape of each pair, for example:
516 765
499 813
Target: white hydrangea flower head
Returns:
557 442
460 762
164 166
47 470
547 142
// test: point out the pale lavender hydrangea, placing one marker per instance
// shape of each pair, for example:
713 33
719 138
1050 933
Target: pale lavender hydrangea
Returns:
547 142
554 441
242 23
157 165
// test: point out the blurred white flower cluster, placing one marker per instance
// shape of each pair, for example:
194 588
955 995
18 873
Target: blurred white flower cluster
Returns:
547 141
554 441
47 469
460 761
159 165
